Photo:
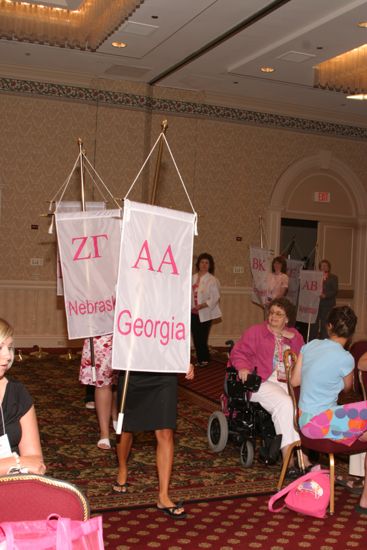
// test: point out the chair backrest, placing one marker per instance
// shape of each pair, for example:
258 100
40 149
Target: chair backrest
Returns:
31 497
362 375
290 359
357 350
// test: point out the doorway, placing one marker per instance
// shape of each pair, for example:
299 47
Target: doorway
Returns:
298 240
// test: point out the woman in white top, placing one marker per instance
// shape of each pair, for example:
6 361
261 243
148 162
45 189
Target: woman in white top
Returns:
277 284
205 306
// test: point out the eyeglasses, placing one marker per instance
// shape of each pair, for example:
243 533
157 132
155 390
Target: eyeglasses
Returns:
276 313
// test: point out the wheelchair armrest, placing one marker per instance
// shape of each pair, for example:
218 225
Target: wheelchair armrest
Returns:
234 385
253 382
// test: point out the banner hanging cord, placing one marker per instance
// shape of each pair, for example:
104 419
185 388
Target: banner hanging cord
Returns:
101 181
105 199
179 175
65 184
142 168
162 135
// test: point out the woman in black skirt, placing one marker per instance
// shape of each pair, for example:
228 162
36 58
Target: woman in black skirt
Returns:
151 405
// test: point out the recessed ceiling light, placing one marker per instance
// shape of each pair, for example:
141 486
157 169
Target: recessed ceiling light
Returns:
362 24
360 97
119 44
267 69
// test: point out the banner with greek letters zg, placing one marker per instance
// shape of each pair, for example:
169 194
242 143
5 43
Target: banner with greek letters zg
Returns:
89 244
309 295
153 298
71 206
260 262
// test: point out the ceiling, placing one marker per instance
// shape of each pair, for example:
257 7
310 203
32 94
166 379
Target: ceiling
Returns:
215 47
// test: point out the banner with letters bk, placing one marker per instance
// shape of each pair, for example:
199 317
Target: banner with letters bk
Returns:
260 264
89 244
153 299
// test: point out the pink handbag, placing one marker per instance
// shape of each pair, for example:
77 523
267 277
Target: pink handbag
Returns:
309 495
54 533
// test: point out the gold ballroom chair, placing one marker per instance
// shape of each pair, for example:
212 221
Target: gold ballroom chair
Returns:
325 446
32 497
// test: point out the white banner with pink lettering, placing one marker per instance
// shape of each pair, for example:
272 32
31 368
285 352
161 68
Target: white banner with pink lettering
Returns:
71 206
89 244
293 271
153 299
310 289
260 264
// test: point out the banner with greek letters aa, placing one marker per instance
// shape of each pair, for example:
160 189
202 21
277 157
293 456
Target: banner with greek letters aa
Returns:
309 295
89 244
260 264
153 298
293 271
71 206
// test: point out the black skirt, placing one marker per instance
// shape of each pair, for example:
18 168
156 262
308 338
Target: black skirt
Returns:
151 401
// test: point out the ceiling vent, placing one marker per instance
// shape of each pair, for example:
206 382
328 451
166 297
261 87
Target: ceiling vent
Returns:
127 72
140 29
296 57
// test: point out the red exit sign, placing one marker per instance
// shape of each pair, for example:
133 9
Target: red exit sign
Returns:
321 196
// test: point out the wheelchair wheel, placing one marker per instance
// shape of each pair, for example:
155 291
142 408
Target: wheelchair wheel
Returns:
247 454
217 431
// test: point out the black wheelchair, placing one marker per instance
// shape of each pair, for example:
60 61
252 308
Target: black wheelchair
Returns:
243 421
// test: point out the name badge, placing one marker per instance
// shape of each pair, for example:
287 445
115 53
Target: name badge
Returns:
5 449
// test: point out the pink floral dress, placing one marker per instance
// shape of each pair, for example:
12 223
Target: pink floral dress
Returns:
102 358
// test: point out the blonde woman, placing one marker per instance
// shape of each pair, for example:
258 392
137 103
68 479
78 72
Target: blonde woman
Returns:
20 446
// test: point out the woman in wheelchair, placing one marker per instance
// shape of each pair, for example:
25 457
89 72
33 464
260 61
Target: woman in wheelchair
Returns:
262 346
323 369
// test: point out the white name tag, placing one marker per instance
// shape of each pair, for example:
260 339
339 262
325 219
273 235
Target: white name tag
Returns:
5 449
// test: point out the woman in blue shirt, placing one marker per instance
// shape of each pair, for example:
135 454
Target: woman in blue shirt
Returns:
323 369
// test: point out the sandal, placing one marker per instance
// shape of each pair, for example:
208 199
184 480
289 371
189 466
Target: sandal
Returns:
120 488
171 511
355 486
104 444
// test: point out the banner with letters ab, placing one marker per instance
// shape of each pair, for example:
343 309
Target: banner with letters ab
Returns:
153 298
310 289
260 264
89 244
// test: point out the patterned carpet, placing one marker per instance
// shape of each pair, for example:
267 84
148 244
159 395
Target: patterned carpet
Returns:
232 524
208 381
226 504
69 435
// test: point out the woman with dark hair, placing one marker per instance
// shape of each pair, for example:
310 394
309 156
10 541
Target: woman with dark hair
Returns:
323 369
263 346
205 306
277 284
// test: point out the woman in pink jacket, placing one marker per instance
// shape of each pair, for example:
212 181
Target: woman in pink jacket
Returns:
262 346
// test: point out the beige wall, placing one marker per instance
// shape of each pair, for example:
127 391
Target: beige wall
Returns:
230 165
